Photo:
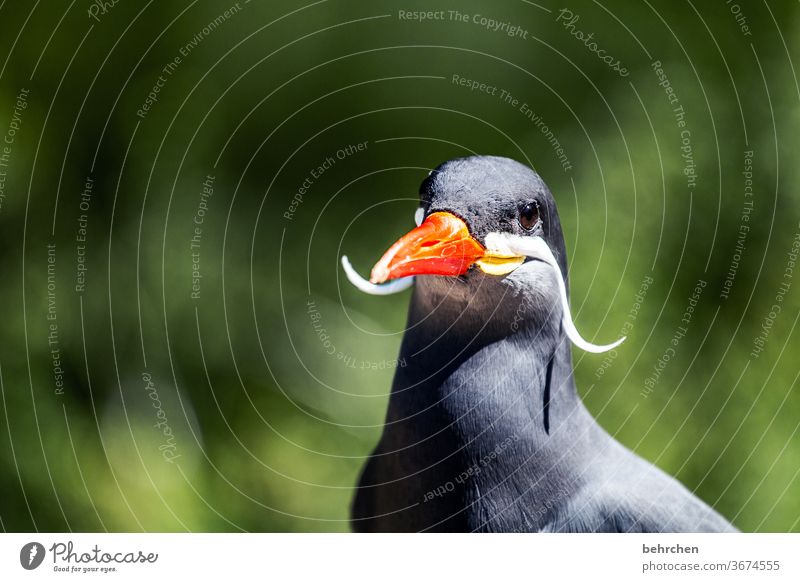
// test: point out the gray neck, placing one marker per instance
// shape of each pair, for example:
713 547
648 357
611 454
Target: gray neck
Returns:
492 367
487 384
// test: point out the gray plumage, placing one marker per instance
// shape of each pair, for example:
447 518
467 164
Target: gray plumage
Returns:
485 430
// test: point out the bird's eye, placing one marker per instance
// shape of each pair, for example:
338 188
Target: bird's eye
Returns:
529 216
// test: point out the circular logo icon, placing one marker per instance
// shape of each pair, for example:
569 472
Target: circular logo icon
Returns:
31 555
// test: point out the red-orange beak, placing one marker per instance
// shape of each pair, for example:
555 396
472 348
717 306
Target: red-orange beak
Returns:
441 245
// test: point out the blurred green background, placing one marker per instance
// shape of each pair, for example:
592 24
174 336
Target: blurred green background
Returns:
251 405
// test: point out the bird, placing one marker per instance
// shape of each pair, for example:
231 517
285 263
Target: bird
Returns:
485 430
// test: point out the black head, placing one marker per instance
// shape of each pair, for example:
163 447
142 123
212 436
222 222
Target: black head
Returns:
485 211
492 194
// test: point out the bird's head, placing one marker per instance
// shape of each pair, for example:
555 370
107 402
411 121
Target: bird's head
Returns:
492 223
470 210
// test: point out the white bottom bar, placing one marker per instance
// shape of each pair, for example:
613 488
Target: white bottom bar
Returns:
376 558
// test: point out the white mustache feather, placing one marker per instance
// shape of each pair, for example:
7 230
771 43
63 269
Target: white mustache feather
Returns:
503 244
362 284
389 288
536 248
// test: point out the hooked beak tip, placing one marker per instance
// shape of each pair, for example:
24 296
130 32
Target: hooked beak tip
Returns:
378 276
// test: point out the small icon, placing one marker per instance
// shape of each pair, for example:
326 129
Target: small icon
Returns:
31 555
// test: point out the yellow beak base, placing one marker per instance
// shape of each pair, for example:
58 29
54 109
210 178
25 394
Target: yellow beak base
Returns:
499 265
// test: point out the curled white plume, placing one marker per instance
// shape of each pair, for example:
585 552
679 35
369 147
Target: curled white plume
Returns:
362 284
536 248
389 288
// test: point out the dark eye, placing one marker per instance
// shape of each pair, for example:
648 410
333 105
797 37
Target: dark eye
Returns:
529 215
